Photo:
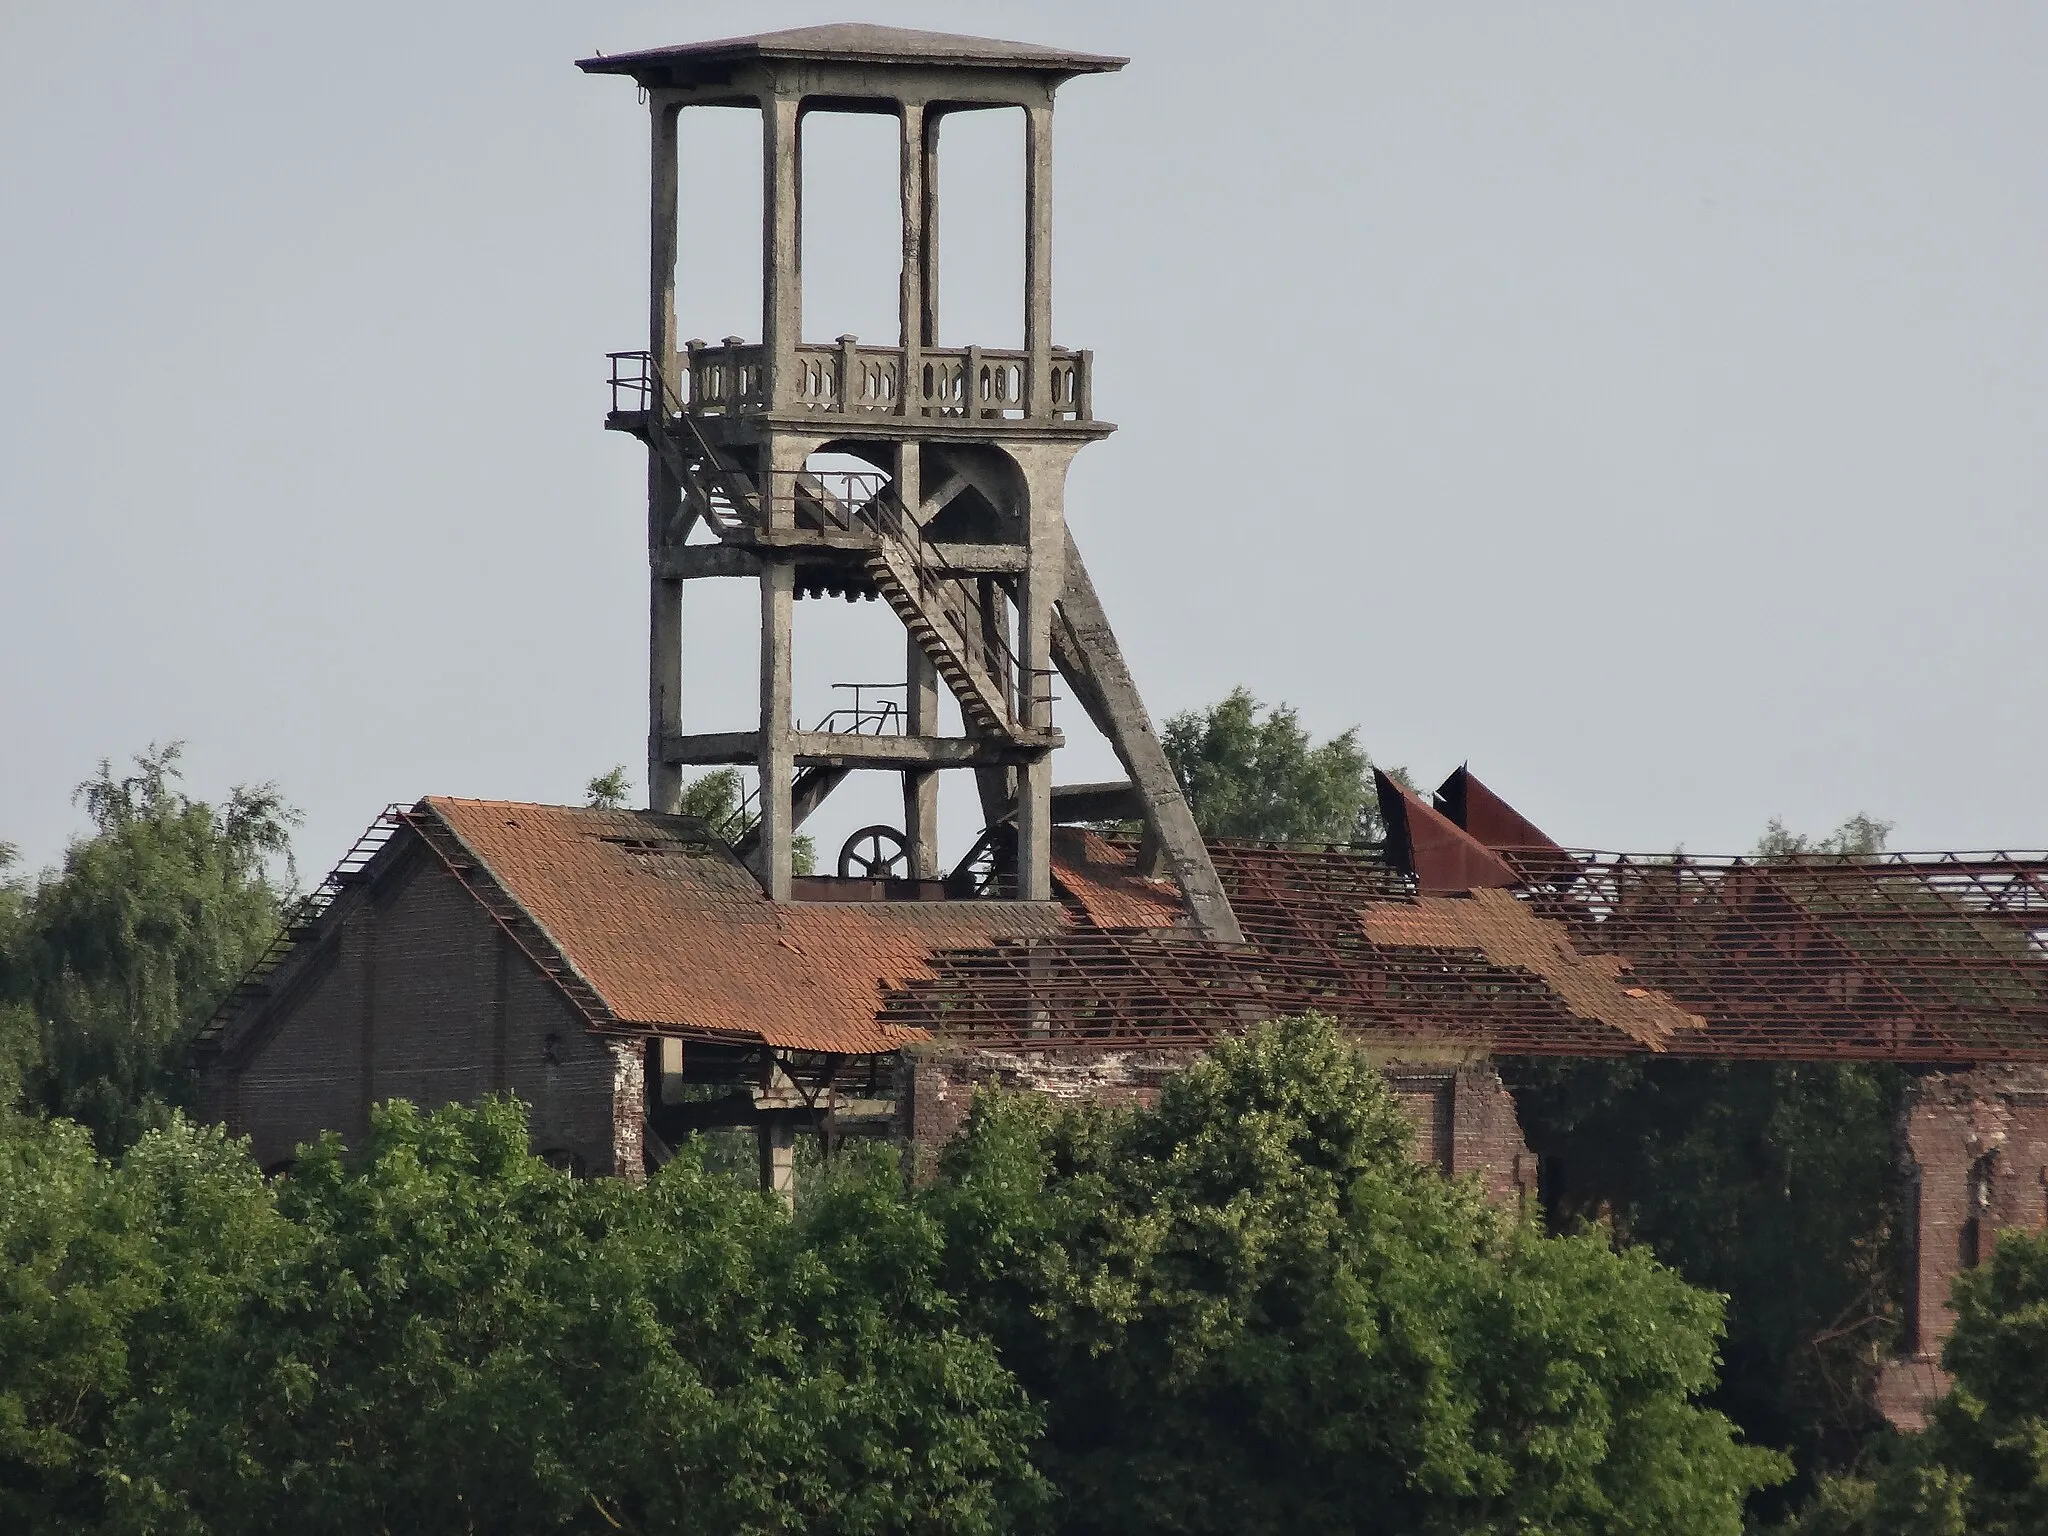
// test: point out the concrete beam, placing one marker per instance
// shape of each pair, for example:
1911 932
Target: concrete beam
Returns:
980 559
690 562
1118 801
1088 656
716 749
836 749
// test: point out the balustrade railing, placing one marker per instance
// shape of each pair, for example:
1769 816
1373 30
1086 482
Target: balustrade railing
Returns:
964 383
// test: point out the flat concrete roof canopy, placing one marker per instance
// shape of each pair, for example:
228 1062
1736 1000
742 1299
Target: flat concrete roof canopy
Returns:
847 41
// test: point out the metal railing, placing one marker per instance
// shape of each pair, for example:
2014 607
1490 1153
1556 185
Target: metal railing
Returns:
874 709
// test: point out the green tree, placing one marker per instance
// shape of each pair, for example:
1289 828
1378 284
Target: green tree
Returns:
112 1275
714 799
609 791
124 952
1981 1466
1250 1310
466 1340
1250 771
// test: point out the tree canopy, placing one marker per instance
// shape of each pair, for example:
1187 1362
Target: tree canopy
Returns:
110 964
1252 771
1251 1310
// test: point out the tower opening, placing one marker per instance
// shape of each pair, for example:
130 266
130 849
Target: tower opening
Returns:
980 237
852 229
718 253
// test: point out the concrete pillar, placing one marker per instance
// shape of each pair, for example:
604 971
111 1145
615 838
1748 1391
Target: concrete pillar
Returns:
664 495
778 591
921 702
778 1159
910 298
1045 574
664 650
1038 259
928 270
661 253
782 282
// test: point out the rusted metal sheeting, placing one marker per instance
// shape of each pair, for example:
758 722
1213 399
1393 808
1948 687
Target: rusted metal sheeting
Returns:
1445 859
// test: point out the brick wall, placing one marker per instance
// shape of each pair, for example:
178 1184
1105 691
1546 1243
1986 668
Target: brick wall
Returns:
1976 1149
1463 1116
413 992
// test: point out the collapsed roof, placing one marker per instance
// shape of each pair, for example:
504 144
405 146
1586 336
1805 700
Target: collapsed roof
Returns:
1470 932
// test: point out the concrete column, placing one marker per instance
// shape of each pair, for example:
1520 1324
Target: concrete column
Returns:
921 701
910 297
1038 259
782 282
778 590
664 495
661 287
921 785
664 647
928 291
1045 574
778 1160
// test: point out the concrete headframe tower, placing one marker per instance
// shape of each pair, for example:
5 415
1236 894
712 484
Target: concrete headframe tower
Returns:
960 526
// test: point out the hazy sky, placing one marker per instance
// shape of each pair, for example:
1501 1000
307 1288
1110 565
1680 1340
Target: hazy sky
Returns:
1648 403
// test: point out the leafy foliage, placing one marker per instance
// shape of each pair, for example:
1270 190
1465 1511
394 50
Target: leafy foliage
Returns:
112 1276
1981 1466
714 799
1771 1182
462 1339
121 955
1860 834
1250 1310
1250 771
610 790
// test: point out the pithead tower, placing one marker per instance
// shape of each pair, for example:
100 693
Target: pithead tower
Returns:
958 524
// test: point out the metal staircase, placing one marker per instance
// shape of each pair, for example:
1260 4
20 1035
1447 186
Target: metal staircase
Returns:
943 613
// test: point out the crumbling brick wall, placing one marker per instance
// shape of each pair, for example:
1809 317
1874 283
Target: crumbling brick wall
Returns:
1975 1145
1463 1116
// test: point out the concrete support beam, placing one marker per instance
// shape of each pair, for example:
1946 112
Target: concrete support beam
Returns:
718 749
773 759
928 267
664 493
1038 589
782 279
1093 664
1038 258
844 749
840 749
778 1160
980 559
920 676
911 166
694 562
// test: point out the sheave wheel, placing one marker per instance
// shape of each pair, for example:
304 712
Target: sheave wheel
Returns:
875 853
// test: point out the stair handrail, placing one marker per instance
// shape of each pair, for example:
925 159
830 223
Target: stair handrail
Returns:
885 515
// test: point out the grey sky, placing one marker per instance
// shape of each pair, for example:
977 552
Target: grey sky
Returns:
1647 403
